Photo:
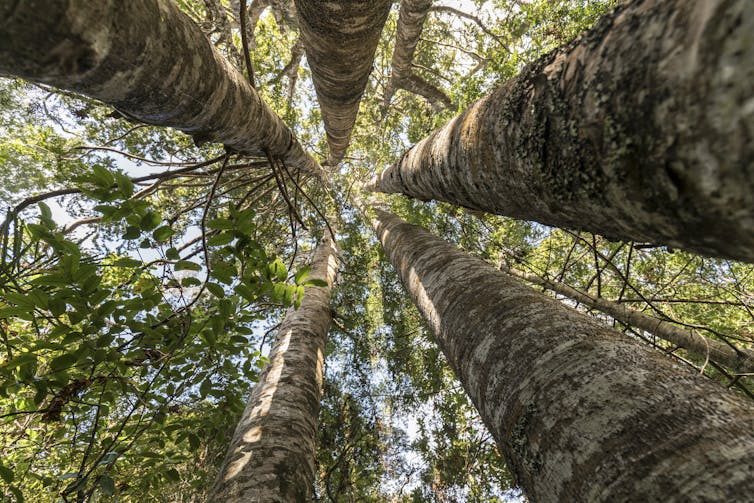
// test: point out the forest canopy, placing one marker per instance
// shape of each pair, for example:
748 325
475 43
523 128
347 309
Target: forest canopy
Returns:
146 271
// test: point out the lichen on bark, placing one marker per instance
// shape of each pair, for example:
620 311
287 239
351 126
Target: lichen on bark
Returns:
152 63
639 130
581 412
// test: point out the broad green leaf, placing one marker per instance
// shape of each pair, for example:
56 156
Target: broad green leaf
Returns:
216 290
190 281
107 485
187 265
125 185
316 282
299 296
278 270
220 224
220 239
302 274
6 473
172 254
163 233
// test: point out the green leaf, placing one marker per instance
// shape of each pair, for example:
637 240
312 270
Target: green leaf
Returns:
127 262
224 272
299 296
172 254
6 474
163 233
187 265
132 232
108 458
125 185
220 239
216 290
205 387
278 292
290 291
190 281
220 224
302 274
150 220
278 270
107 485
45 210
63 362
316 282
246 292
102 176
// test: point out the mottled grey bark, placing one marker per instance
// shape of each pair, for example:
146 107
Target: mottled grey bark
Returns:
340 38
271 457
580 411
641 129
151 62
739 359
411 19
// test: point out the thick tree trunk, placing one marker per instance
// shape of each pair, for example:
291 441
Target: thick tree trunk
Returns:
580 411
340 38
151 62
272 455
739 359
641 129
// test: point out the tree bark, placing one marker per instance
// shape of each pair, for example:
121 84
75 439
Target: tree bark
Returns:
151 62
340 38
411 19
580 411
739 359
639 130
271 457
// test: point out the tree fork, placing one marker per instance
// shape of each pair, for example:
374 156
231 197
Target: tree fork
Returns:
271 457
151 62
639 130
580 411
411 19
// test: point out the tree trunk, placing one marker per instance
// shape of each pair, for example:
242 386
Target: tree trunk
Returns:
272 455
639 130
151 62
340 38
739 359
580 411
411 19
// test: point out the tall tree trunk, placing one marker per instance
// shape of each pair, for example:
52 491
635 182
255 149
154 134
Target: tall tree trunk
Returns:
580 411
411 19
272 455
340 38
639 130
151 62
739 359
